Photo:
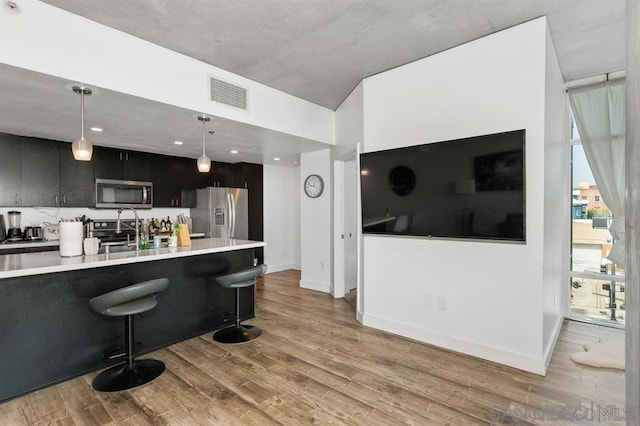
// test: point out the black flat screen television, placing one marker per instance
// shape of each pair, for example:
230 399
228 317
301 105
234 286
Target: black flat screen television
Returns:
471 188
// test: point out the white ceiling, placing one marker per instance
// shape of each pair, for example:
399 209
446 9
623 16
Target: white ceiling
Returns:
315 50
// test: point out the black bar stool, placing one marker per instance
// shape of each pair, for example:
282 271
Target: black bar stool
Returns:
126 302
239 333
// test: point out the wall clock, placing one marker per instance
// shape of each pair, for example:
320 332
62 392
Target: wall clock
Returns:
313 186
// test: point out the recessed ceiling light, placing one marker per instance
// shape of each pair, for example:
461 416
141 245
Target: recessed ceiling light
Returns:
96 129
233 151
178 142
276 158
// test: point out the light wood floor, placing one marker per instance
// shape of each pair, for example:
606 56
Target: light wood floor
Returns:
315 364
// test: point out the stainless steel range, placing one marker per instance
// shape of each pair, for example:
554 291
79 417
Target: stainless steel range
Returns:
105 230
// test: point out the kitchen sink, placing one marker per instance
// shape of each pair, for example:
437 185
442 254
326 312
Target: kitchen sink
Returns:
115 248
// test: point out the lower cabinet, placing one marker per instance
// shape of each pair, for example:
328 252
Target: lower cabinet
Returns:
47 323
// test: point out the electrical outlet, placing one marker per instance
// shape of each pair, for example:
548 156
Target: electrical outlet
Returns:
442 303
555 299
428 300
322 266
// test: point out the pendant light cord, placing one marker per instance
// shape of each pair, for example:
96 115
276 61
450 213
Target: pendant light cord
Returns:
82 114
203 135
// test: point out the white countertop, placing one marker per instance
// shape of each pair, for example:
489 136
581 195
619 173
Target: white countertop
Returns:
23 264
6 245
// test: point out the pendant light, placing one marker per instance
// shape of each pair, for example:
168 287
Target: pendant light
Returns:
204 162
82 148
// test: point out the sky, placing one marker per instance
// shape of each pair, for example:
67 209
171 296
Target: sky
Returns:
581 170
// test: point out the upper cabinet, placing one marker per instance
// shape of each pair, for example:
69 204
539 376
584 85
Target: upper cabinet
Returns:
43 173
221 174
109 163
40 177
249 176
174 180
10 172
76 179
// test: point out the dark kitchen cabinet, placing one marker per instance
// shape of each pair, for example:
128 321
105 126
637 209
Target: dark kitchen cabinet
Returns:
40 173
43 173
249 176
221 174
10 172
172 179
76 179
110 163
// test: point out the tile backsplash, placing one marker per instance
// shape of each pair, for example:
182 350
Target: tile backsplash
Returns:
36 216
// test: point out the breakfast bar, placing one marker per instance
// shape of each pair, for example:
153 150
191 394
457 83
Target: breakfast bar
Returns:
50 334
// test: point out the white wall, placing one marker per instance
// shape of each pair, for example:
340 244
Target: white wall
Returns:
281 217
349 122
52 41
316 225
487 297
556 207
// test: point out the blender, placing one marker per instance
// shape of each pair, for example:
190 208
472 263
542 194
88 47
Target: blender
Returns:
14 233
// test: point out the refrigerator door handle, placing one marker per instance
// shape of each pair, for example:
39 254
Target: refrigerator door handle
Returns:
233 216
229 235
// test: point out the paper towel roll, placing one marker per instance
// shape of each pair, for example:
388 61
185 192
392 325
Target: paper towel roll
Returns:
71 236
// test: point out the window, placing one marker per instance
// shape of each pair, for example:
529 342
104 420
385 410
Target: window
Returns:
596 285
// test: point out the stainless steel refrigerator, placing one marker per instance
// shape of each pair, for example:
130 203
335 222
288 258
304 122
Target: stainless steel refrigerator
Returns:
221 212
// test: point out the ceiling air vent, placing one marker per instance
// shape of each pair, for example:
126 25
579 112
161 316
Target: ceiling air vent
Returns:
227 93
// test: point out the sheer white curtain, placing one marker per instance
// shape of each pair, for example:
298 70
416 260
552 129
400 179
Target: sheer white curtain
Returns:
599 114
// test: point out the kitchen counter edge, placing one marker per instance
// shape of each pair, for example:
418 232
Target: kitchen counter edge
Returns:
25 264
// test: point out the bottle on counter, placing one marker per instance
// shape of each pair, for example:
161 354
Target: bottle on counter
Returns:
144 235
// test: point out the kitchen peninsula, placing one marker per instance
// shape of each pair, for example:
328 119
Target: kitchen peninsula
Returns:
50 334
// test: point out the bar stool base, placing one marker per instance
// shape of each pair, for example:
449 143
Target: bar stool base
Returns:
122 377
237 335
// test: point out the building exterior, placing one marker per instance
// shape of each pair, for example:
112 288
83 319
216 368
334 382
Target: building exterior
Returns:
594 202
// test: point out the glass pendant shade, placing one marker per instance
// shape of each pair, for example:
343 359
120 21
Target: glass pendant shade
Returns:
81 148
204 164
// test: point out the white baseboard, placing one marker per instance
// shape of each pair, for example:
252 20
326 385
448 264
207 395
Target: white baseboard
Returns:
325 288
279 268
479 350
359 316
551 344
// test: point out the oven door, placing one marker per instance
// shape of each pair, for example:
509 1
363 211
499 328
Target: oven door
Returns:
112 193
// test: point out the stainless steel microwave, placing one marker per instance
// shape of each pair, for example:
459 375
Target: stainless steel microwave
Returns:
111 193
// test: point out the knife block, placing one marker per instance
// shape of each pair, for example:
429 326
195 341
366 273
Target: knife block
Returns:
183 236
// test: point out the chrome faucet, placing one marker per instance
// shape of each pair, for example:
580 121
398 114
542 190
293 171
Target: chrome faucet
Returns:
135 214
